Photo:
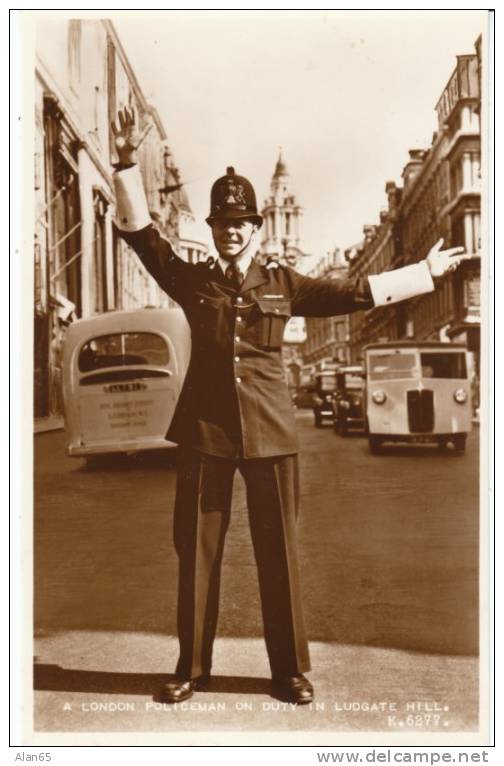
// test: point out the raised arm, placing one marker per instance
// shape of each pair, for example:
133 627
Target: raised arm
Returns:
133 220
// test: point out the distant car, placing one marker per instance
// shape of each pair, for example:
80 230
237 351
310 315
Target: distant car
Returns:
325 384
418 393
303 399
348 400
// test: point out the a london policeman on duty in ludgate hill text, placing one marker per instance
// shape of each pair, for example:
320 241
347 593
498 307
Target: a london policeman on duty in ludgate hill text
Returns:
235 411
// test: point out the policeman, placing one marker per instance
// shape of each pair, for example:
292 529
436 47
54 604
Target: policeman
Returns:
235 411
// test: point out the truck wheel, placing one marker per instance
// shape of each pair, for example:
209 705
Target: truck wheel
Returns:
374 444
459 442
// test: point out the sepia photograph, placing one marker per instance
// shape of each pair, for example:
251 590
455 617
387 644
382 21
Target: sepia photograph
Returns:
257 285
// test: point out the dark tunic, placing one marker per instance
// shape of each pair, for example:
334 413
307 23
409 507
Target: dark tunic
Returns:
235 401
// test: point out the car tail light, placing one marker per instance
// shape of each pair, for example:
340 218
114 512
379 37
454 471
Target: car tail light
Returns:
460 396
379 396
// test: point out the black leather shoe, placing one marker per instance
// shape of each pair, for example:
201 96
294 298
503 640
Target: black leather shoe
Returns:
179 689
293 689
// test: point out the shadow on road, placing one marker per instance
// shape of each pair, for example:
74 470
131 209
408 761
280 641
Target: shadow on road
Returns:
57 679
145 460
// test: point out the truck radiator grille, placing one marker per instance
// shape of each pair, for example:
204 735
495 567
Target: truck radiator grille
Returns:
420 411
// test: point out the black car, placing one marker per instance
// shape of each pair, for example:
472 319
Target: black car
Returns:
325 384
348 400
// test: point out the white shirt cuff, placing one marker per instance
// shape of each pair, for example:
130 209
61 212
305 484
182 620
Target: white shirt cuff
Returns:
132 212
400 284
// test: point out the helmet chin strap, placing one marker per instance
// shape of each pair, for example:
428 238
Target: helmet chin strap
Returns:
238 255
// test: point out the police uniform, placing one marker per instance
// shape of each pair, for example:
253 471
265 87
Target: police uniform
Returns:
235 412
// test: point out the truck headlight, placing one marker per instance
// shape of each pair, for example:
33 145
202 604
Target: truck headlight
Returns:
460 396
379 396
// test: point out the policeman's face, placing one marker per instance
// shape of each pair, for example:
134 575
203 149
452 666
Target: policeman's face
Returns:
231 236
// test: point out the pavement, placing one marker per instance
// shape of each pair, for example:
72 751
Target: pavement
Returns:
389 560
97 682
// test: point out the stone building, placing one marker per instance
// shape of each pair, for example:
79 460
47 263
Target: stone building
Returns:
376 253
82 77
440 198
190 248
282 216
327 337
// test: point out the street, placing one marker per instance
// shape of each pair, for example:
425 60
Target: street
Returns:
389 565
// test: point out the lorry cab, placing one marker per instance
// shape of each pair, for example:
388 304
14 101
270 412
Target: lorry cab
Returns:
418 392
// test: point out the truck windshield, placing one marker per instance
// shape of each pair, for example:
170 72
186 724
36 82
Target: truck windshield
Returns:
443 365
123 349
392 365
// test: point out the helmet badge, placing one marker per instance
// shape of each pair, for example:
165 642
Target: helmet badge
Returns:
234 194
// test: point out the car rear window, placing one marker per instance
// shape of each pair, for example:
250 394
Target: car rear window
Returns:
123 350
353 381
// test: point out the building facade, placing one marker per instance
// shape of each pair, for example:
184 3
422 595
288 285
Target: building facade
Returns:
190 248
327 337
82 78
376 253
440 198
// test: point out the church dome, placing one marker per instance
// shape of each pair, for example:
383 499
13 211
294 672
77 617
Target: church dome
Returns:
281 168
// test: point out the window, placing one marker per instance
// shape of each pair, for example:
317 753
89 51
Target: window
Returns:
99 254
443 365
392 366
74 54
62 199
353 381
122 350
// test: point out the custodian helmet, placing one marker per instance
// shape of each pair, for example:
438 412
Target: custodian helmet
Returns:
233 196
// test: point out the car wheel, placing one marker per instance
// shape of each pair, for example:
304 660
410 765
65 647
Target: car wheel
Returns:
318 421
459 442
343 428
96 462
374 444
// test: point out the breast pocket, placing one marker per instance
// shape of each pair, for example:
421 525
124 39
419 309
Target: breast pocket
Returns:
272 316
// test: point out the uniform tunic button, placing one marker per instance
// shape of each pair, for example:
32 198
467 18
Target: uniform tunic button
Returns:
237 358
238 319
239 300
237 339
276 311
202 300
238 380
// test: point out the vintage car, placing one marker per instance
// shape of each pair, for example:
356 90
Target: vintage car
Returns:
348 400
418 392
122 376
323 390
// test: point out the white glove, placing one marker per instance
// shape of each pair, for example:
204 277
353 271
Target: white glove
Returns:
440 261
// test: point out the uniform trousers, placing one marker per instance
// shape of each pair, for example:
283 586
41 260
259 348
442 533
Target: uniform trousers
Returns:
202 514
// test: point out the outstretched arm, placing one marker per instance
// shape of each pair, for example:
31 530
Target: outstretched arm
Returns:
326 297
